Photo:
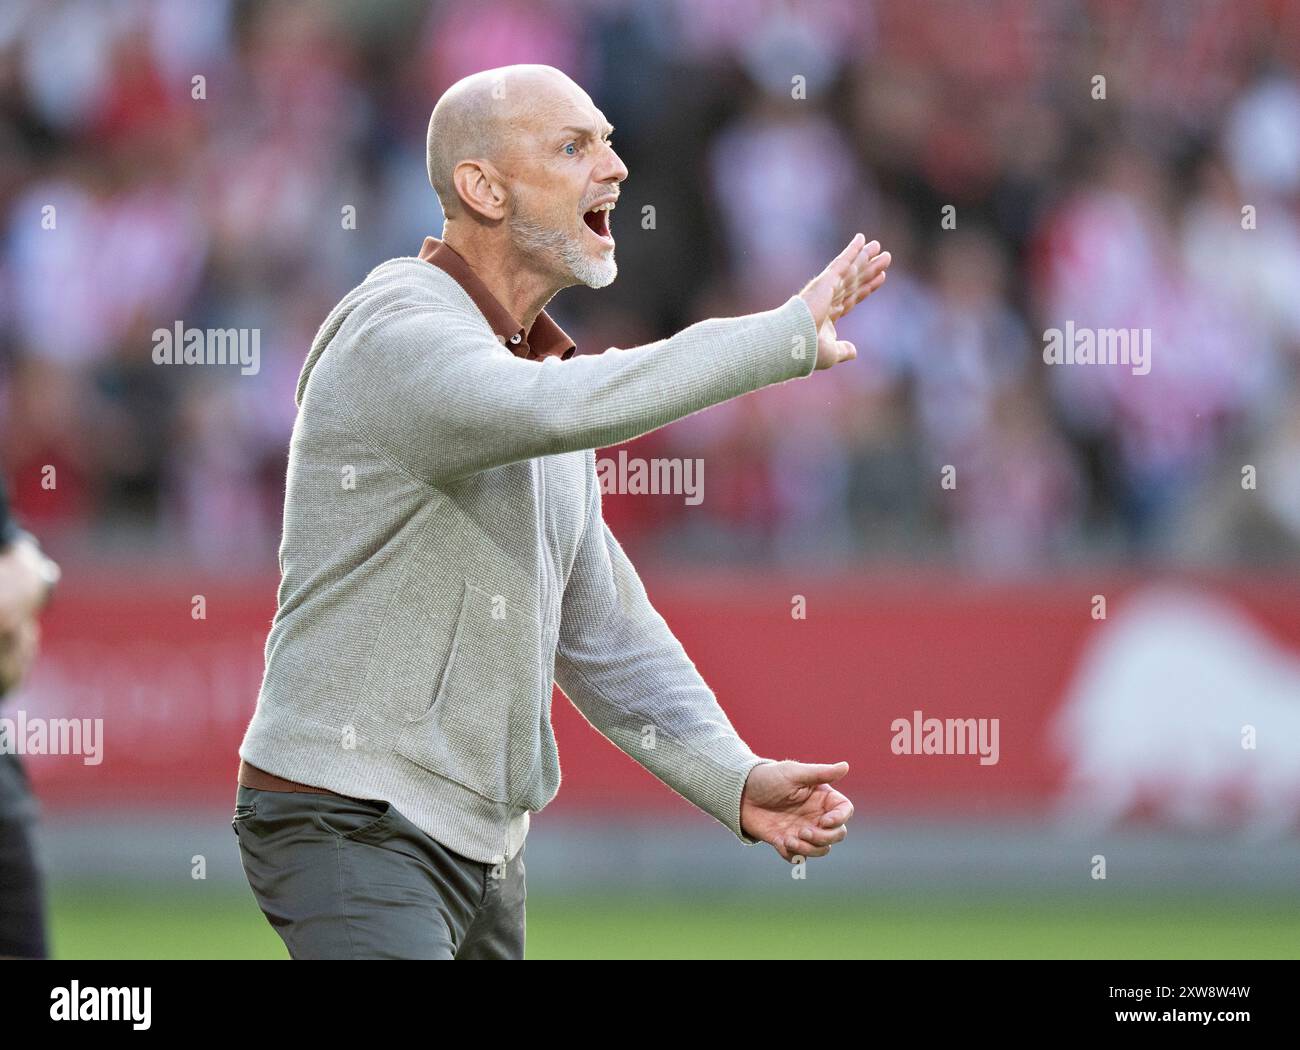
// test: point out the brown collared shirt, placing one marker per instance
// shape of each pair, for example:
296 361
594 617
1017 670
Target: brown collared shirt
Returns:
544 339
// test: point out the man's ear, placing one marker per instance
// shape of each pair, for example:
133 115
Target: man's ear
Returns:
480 188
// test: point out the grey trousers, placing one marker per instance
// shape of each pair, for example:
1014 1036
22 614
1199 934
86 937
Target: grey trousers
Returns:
346 878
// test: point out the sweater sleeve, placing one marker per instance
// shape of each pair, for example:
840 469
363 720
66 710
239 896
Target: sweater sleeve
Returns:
622 667
434 389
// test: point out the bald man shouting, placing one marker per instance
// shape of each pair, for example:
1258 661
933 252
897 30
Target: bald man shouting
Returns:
445 562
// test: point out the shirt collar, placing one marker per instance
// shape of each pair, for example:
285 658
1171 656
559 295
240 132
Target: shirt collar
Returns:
544 339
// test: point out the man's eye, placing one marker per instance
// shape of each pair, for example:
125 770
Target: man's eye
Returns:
571 150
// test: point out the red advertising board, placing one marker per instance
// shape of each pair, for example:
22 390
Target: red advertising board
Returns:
1157 699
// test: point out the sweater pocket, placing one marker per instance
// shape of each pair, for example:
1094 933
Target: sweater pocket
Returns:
482 729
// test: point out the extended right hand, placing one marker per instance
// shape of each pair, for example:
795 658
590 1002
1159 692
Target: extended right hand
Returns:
851 276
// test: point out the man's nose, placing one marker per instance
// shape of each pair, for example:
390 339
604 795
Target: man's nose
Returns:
613 169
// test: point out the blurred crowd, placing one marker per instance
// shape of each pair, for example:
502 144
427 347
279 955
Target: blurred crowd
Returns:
241 165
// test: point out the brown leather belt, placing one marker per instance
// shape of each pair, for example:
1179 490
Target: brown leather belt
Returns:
252 777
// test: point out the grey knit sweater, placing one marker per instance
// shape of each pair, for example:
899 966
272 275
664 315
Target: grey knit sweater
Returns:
444 561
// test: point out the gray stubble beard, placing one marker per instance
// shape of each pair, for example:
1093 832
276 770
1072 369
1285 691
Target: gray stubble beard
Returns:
566 253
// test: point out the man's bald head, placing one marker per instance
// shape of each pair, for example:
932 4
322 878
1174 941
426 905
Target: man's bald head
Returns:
478 118
522 161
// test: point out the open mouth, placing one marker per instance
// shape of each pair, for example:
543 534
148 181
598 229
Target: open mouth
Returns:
597 220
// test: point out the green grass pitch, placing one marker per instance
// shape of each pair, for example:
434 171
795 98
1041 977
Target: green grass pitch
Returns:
202 922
